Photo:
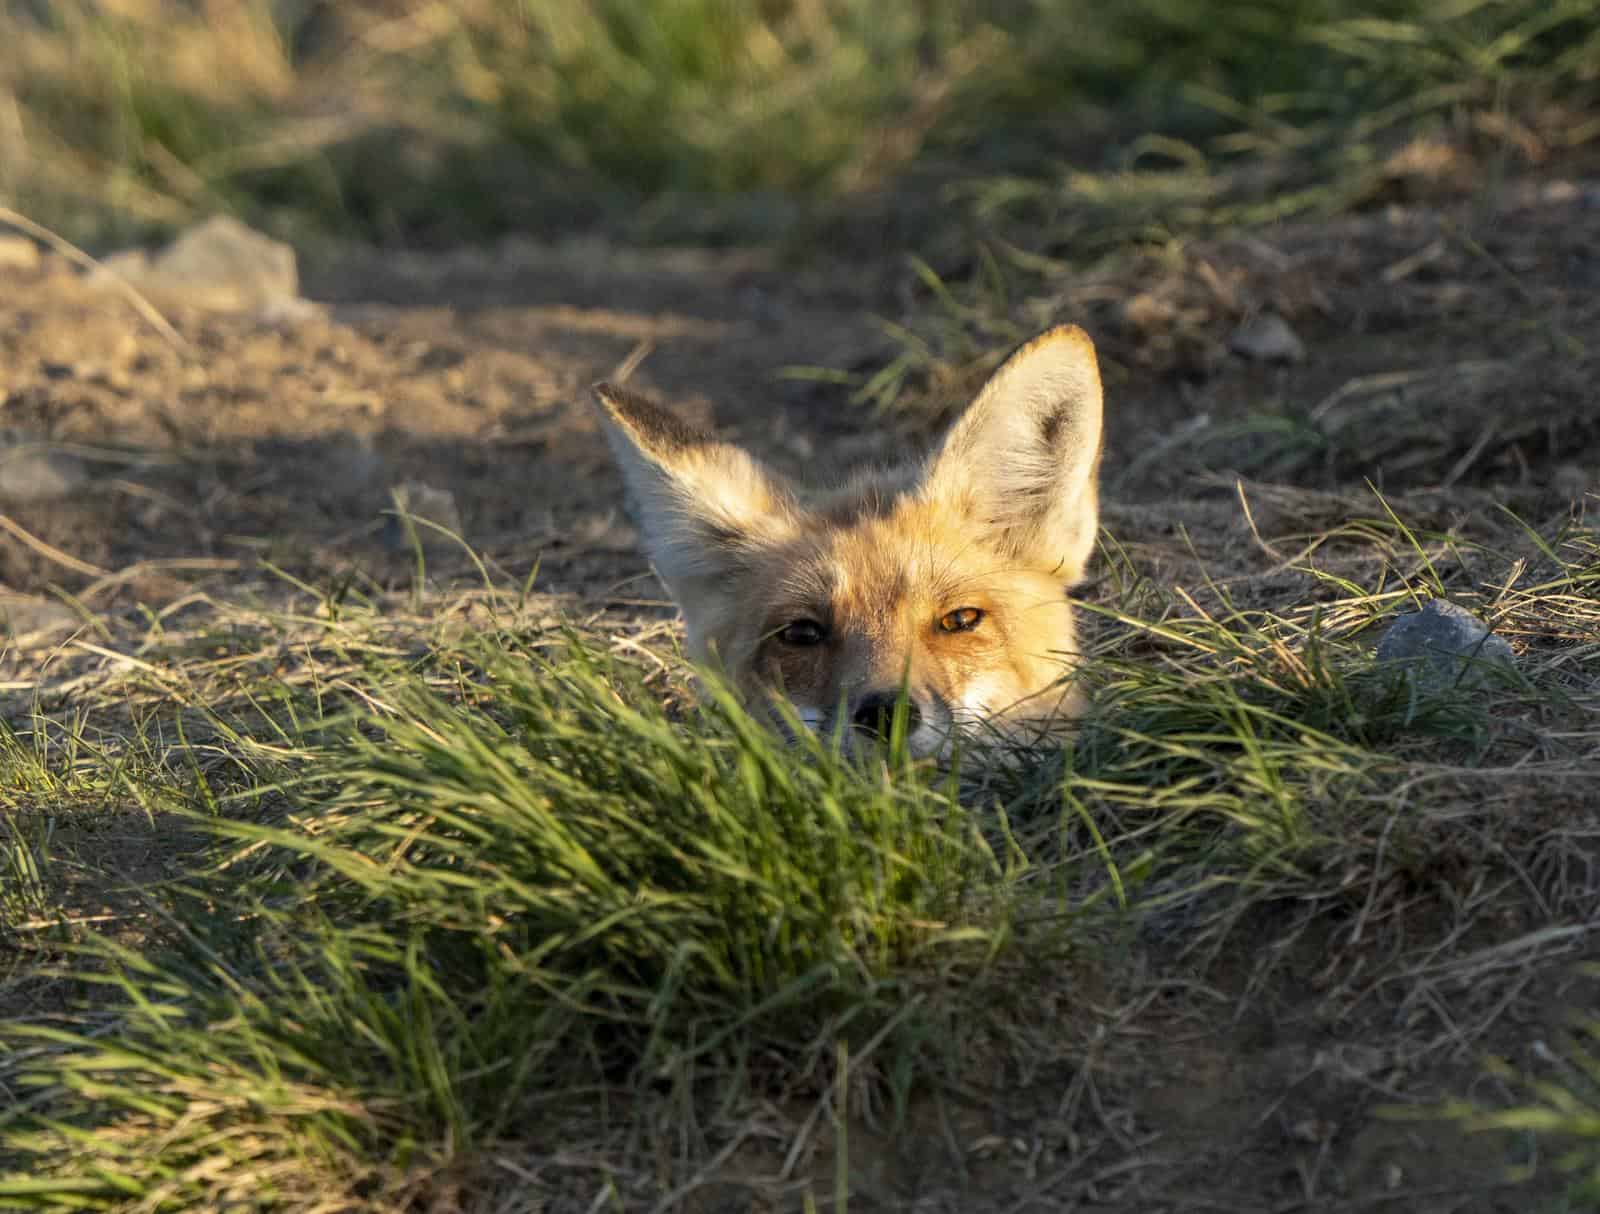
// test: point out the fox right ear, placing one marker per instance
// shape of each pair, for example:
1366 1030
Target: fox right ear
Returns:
702 505
1025 457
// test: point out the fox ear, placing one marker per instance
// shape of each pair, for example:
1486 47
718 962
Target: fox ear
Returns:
701 505
1025 457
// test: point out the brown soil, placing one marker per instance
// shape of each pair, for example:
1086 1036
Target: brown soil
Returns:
1228 1086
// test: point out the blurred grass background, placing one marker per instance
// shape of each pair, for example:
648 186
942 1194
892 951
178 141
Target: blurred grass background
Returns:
429 121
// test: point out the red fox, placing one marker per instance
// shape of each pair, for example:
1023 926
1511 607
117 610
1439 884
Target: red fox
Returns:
945 579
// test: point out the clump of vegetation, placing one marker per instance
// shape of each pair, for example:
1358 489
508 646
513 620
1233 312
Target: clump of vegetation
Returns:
480 898
412 119
451 899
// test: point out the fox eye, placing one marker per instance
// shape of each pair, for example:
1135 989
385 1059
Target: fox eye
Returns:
962 619
802 632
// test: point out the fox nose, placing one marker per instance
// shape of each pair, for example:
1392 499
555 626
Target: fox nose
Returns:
875 713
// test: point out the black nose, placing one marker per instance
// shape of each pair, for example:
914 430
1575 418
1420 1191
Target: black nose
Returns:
875 713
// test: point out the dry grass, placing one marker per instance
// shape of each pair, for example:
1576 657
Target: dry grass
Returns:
1253 797
399 894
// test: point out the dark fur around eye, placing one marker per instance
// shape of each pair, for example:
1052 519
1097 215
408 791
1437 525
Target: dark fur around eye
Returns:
801 633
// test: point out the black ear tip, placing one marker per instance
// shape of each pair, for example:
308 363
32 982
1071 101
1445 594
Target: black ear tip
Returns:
608 396
647 423
603 396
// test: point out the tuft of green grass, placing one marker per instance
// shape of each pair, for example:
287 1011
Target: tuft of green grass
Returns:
484 900
1219 120
297 110
1553 1100
25 900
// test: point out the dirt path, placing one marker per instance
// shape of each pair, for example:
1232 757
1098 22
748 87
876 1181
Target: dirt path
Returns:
470 372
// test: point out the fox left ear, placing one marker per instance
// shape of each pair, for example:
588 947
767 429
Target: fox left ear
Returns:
702 505
1025 457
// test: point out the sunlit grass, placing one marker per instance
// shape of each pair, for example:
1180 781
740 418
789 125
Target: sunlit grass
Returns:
471 118
454 902
475 901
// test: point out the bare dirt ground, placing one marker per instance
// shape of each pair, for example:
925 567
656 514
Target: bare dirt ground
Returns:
1451 360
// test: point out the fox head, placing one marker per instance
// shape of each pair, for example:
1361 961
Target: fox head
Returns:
946 578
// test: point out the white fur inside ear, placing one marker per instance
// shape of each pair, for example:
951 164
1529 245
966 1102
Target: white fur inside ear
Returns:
706 507
701 505
1024 457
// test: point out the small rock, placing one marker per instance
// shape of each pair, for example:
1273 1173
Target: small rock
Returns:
1445 644
426 505
284 312
220 264
1573 481
1310 1130
1351 1060
354 461
18 255
128 265
37 474
27 619
1267 338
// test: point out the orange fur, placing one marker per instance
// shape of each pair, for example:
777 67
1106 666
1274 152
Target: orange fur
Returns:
948 578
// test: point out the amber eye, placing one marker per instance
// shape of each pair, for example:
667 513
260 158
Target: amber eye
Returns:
802 632
962 619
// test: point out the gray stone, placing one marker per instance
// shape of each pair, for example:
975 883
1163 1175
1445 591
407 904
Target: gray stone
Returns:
38 474
426 505
1445 645
1267 338
354 461
131 264
27 619
220 264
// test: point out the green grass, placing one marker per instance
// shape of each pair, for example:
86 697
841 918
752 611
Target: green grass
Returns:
704 117
24 859
353 932
1555 1102
512 891
514 885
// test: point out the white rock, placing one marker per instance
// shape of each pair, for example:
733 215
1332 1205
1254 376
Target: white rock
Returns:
18 254
220 264
27 618
1267 338
37 474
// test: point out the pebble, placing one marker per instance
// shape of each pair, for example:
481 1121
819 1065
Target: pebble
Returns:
1267 338
423 502
1445 645
38 474
29 618
220 264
